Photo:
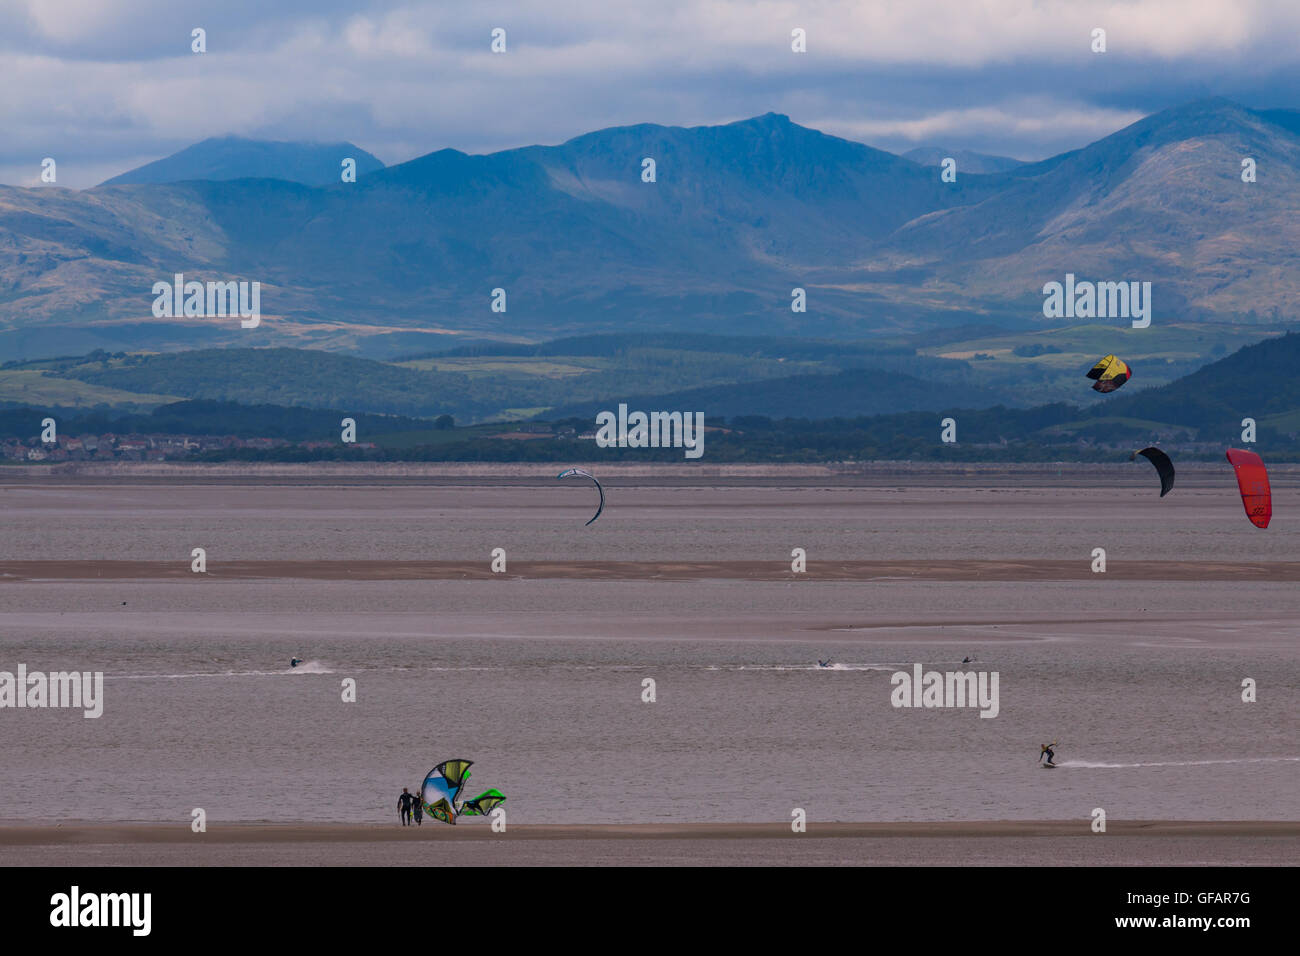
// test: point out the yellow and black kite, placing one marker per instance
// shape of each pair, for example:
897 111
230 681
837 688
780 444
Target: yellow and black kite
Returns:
1109 374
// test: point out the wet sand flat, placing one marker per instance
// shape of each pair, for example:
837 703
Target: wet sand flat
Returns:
919 570
1092 850
389 833
1151 842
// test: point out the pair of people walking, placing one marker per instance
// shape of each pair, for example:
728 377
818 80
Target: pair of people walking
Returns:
410 806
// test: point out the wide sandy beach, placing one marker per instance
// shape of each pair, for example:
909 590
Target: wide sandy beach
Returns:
536 673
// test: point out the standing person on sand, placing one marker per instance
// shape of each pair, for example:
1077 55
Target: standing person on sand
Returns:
418 806
404 806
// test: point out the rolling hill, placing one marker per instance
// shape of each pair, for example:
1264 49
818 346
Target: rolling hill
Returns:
1195 417
848 394
1260 381
488 386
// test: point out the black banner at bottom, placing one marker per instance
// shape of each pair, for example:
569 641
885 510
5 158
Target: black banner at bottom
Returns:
933 904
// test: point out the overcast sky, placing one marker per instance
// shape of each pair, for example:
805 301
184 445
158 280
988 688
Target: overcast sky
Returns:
105 85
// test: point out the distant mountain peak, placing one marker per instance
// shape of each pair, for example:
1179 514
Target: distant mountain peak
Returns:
771 119
774 123
220 158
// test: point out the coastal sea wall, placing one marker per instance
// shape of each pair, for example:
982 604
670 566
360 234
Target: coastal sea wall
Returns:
650 473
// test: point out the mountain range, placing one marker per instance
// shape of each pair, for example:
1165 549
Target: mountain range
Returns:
738 216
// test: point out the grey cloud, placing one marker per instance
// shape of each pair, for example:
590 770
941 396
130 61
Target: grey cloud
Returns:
100 91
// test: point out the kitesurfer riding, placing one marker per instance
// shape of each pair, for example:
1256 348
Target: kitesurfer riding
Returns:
295 661
822 663
1049 753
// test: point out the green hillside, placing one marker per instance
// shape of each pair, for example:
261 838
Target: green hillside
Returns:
1260 381
722 376
1052 361
280 376
32 386
491 383
1193 418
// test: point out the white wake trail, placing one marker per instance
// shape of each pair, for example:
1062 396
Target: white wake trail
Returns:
1091 764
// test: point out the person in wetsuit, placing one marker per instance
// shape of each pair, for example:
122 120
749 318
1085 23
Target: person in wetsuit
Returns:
417 807
404 803
1049 753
